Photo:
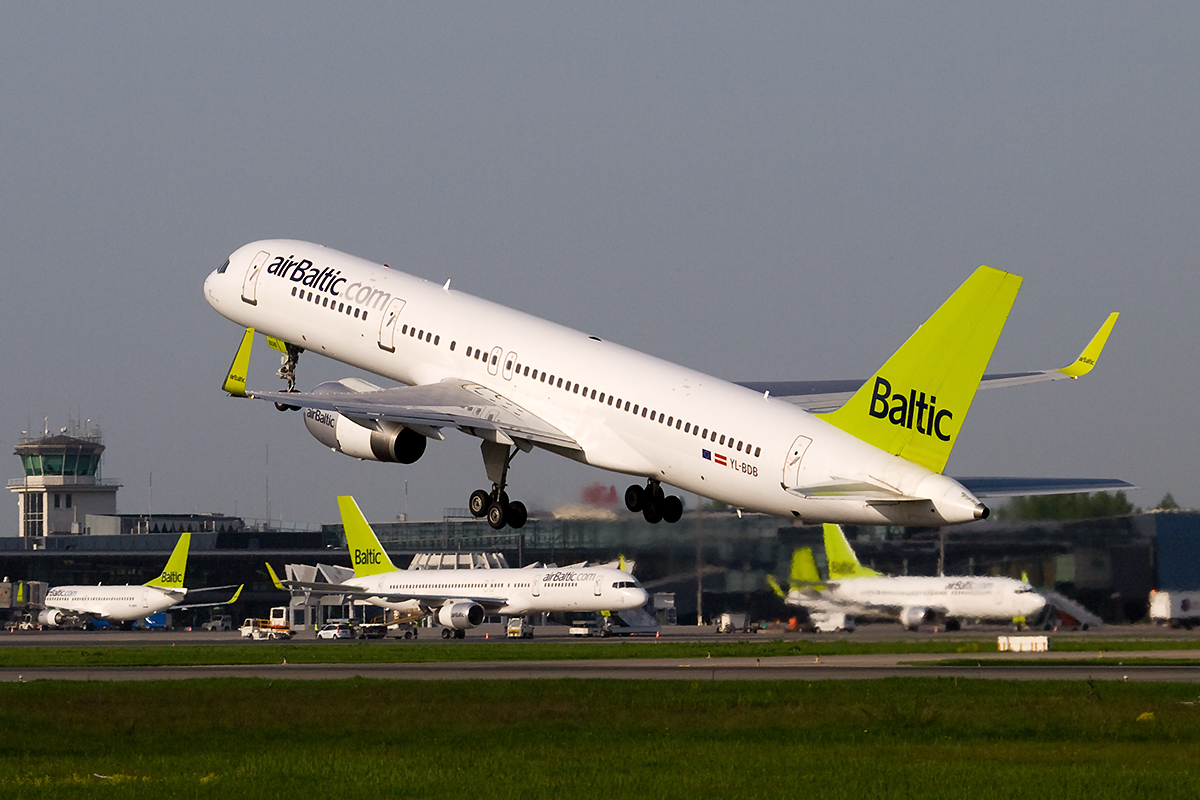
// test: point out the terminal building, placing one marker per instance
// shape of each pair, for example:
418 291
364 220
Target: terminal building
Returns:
713 561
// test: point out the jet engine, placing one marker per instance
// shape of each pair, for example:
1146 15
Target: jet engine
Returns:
913 616
53 617
460 616
382 441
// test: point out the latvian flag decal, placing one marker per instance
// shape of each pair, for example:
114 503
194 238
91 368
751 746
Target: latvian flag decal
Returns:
717 457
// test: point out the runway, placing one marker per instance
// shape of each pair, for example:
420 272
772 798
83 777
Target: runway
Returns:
990 666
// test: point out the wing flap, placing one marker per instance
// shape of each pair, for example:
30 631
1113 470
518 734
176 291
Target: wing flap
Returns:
461 404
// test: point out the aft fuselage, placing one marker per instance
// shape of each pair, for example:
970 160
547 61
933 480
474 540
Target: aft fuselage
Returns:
628 411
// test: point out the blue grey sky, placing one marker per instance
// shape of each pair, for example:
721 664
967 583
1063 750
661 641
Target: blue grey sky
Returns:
762 191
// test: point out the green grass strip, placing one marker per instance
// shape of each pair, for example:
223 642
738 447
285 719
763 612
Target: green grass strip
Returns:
351 739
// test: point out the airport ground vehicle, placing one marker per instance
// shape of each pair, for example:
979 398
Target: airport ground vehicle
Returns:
372 630
274 628
1177 609
219 622
733 622
336 630
519 628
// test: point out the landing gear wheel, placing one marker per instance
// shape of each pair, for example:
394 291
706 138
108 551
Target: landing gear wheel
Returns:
652 513
635 498
517 514
447 633
497 516
479 502
672 509
460 634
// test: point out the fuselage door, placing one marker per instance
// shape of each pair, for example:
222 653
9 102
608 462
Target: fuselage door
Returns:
387 326
599 587
791 465
536 589
250 282
494 360
510 361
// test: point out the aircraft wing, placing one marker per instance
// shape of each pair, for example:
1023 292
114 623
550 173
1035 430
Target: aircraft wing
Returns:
818 396
230 601
461 404
452 403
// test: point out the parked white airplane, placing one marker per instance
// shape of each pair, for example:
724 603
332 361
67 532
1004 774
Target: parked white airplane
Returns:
75 605
460 599
516 381
853 589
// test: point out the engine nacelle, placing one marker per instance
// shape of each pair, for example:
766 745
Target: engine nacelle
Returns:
913 616
390 441
53 617
460 616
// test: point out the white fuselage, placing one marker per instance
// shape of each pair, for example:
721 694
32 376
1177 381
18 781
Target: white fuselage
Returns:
629 412
116 603
523 591
955 597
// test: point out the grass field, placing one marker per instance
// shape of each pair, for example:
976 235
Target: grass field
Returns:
928 738
106 655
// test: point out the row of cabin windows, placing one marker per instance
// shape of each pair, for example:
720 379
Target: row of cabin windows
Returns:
524 370
422 335
629 406
325 301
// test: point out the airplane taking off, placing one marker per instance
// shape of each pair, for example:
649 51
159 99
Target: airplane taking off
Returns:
460 599
853 589
856 452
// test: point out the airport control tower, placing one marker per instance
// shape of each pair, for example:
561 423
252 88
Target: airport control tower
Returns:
61 484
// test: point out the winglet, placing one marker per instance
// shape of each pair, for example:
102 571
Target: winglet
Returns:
235 381
236 595
275 578
1087 359
172 574
366 553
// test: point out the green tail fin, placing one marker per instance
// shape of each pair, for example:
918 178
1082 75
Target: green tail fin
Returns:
172 574
914 406
804 566
366 553
842 561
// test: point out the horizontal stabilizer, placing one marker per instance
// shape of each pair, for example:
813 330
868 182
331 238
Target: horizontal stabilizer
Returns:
1021 487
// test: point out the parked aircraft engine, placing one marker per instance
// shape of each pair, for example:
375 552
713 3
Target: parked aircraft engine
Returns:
460 616
913 616
386 441
53 617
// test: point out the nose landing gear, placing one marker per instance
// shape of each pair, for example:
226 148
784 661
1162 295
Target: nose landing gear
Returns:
654 504
287 371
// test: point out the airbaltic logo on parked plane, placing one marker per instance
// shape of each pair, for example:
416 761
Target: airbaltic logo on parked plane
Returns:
905 411
368 556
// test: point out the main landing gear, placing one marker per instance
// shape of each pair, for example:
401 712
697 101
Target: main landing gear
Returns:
495 505
654 504
287 371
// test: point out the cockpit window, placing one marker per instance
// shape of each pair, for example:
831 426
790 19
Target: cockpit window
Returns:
224 267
